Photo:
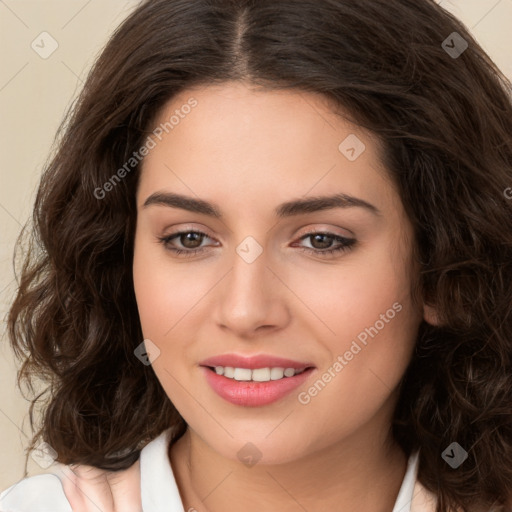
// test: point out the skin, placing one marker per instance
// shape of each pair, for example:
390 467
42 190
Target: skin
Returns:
248 151
91 489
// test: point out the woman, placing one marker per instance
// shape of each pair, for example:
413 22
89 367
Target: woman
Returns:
275 268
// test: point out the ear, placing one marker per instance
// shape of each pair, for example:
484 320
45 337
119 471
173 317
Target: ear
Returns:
430 315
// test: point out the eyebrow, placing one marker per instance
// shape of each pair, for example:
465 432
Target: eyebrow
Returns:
288 209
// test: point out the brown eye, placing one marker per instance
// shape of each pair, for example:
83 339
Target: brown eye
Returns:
321 240
185 243
191 239
326 244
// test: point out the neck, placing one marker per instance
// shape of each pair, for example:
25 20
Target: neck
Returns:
362 473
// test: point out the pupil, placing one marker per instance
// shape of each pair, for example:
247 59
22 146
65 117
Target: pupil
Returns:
194 238
327 239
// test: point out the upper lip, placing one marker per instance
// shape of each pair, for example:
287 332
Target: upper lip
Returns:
253 362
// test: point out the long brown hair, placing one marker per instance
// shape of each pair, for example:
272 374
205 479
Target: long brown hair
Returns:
443 113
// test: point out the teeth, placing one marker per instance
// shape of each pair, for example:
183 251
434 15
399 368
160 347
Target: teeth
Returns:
229 372
261 374
276 373
243 374
256 375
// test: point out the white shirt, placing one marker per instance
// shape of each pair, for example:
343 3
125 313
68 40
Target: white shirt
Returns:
159 492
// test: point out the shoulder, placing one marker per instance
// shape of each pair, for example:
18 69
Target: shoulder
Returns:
423 500
149 479
41 493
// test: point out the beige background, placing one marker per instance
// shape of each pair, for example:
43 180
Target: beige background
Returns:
34 95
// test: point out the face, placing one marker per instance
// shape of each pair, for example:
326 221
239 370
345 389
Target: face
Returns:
238 262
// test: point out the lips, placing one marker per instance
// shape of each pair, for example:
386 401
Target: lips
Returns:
253 393
254 362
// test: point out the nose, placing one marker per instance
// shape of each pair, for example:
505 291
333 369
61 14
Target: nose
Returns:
251 299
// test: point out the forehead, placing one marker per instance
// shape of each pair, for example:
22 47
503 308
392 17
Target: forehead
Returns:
239 141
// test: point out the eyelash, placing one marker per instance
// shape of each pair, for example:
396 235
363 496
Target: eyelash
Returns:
345 244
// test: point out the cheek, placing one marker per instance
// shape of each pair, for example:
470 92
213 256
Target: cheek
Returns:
352 294
365 315
367 363
376 323
170 298
165 293
165 302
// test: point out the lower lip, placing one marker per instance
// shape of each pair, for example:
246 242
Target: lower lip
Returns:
254 394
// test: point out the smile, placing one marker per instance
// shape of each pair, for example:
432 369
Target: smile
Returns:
257 374
254 380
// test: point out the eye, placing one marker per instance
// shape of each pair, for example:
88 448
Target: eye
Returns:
190 241
321 243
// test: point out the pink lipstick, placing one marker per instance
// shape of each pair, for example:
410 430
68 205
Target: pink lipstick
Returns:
254 381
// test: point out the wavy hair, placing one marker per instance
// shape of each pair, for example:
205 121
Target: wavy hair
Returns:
443 114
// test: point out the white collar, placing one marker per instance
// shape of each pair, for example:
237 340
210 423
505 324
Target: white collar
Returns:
159 491
405 494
